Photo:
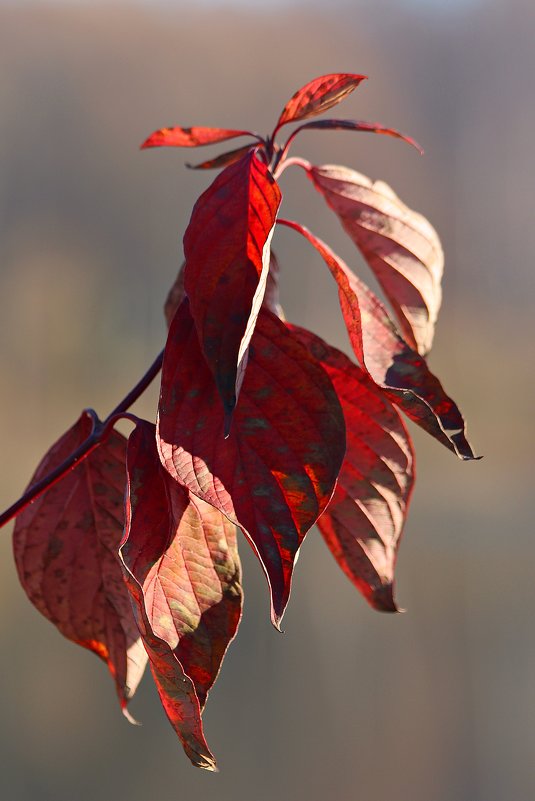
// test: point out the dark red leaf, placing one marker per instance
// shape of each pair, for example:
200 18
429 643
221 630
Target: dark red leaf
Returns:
400 245
276 472
364 521
319 95
175 296
191 137
65 546
226 246
223 160
182 567
388 359
359 125
271 297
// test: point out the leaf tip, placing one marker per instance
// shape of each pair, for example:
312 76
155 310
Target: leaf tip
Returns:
466 454
276 620
472 458
227 423
206 763
128 716
382 599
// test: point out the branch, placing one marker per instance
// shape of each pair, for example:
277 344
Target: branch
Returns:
100 432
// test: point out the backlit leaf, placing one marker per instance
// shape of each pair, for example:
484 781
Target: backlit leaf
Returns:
388 359
226 246
191 137
364 521
65 546
319 95
182 567
271 297
275 473
400 245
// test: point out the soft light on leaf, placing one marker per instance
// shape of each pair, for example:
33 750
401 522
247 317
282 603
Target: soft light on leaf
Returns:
318 96
389 360
226 246
65 547
275 473
271 300
364 521
400 245
182 568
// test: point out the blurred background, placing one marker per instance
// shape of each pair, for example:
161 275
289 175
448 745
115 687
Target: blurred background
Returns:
437 704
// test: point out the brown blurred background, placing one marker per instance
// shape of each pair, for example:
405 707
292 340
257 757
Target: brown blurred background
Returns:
437 704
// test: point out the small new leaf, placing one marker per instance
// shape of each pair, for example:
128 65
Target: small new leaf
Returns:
318 96
359 125
191 137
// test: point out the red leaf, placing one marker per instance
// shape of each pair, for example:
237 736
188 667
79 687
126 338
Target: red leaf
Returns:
223 160
272 295
175 296
271 298
65 546
191 137
182 567
317 96
400 245
359 125
387 358
364 521
226 246
276 472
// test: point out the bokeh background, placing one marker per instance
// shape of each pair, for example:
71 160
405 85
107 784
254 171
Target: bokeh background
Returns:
437 704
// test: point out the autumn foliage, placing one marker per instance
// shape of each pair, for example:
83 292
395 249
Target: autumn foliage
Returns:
130 546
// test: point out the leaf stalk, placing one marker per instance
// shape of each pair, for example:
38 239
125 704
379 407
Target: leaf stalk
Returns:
100 432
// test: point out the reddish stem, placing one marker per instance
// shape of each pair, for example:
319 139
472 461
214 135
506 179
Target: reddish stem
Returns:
100 432
288 162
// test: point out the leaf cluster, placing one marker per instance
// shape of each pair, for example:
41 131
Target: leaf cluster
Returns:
129 546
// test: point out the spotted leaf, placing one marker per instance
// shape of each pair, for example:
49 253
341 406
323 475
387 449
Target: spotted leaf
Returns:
388 359
226 246
364 521
275 473
271 299
182 567
65 546
400 245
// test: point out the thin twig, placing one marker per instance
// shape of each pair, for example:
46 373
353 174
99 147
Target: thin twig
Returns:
99 433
